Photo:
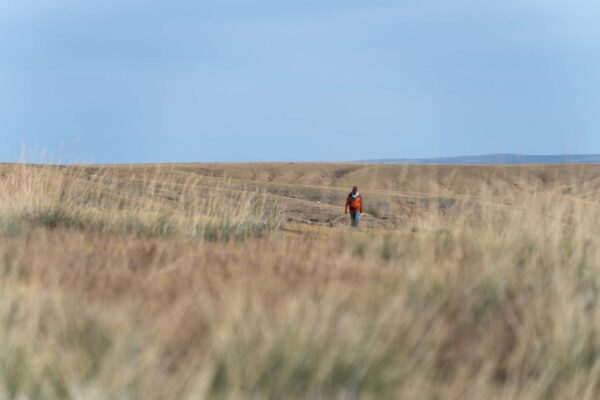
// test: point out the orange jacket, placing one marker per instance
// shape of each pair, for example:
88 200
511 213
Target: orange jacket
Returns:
354 205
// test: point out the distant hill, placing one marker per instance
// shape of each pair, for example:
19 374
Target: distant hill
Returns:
496 159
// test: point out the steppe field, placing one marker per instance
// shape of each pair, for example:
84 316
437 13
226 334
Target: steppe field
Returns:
245 281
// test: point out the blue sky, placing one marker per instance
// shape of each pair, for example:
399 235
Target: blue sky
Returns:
258 80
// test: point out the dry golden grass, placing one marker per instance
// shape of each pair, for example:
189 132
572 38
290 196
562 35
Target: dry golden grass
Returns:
149 203
180 282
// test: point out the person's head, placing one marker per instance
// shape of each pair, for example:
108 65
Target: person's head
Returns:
354 189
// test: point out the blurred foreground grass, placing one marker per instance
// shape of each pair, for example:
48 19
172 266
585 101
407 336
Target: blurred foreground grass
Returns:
483 302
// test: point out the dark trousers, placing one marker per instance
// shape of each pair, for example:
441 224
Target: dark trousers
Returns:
355 218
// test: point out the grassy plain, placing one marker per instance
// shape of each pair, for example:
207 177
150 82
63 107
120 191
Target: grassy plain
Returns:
236 281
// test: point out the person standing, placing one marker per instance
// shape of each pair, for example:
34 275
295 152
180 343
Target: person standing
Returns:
354 205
